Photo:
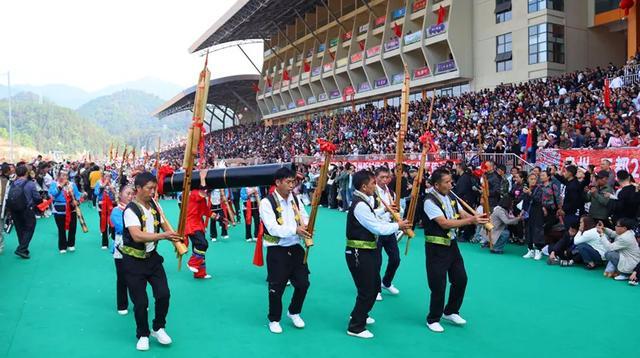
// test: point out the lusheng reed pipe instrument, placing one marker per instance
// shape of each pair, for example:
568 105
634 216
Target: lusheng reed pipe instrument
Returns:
488 226
328 149
426 141
402 132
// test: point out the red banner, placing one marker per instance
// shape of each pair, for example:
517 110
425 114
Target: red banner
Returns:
621 159
419 5
430 166
356 57
380 21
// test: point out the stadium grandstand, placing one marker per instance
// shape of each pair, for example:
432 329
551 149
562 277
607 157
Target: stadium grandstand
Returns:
328 54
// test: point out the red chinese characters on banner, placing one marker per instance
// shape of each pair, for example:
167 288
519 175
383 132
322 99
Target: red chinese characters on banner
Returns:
621 159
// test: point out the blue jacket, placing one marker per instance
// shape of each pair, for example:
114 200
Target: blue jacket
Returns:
30 191
58 195
244 196
117 218
98 191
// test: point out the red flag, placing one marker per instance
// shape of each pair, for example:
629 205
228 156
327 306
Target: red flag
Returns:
397 29
255 87
306 66
247 214
529 144
361 44
607 94
285 76
258 255
441 13
269 81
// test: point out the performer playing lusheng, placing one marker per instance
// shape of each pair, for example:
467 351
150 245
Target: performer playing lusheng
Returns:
388 242
197 207
124 198
141 261
285 221
363 259
63 211
441 249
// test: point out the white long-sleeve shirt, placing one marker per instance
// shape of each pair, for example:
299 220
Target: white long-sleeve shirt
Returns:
287 231
385 195
369 220
592 238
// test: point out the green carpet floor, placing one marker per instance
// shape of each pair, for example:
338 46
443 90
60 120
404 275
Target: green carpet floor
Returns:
64 305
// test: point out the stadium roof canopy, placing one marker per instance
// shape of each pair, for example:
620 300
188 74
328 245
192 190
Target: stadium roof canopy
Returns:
228 92
253 19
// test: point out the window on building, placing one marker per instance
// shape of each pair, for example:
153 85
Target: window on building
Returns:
503 11
606 5
546 43
538 5
503 53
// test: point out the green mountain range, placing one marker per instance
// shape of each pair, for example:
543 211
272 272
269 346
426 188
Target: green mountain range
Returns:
41 124
126 115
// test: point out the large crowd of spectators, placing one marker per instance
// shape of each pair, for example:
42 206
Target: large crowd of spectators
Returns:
566 111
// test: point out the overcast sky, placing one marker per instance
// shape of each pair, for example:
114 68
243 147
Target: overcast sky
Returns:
92 44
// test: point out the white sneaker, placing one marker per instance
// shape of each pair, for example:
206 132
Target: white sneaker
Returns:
225 237
455 318
192 269
274 327
370 320
621 277
296 319
537 255
255 239
435 327
104 247
391 289
63 251
123 312
249 240
363 334
143 344
207 276
288 282
379 297
71 248
213 239
162 336
528 255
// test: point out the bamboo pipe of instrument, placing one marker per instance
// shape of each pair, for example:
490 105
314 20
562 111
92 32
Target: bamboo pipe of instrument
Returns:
315 202
402 131
179 246
397 218
488 226
230 210
81 220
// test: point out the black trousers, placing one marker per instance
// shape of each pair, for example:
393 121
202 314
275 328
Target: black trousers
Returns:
65 241
563 247
442 261
364 266
286 264
25 223
198 242
137 273
255 214
122 302
236 205
108 231
213 230
390 245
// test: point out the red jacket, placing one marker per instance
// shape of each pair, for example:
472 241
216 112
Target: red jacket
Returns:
196 209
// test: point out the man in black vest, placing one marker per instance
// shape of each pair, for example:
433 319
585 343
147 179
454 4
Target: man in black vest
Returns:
441 249
285 223
363 259
142 263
